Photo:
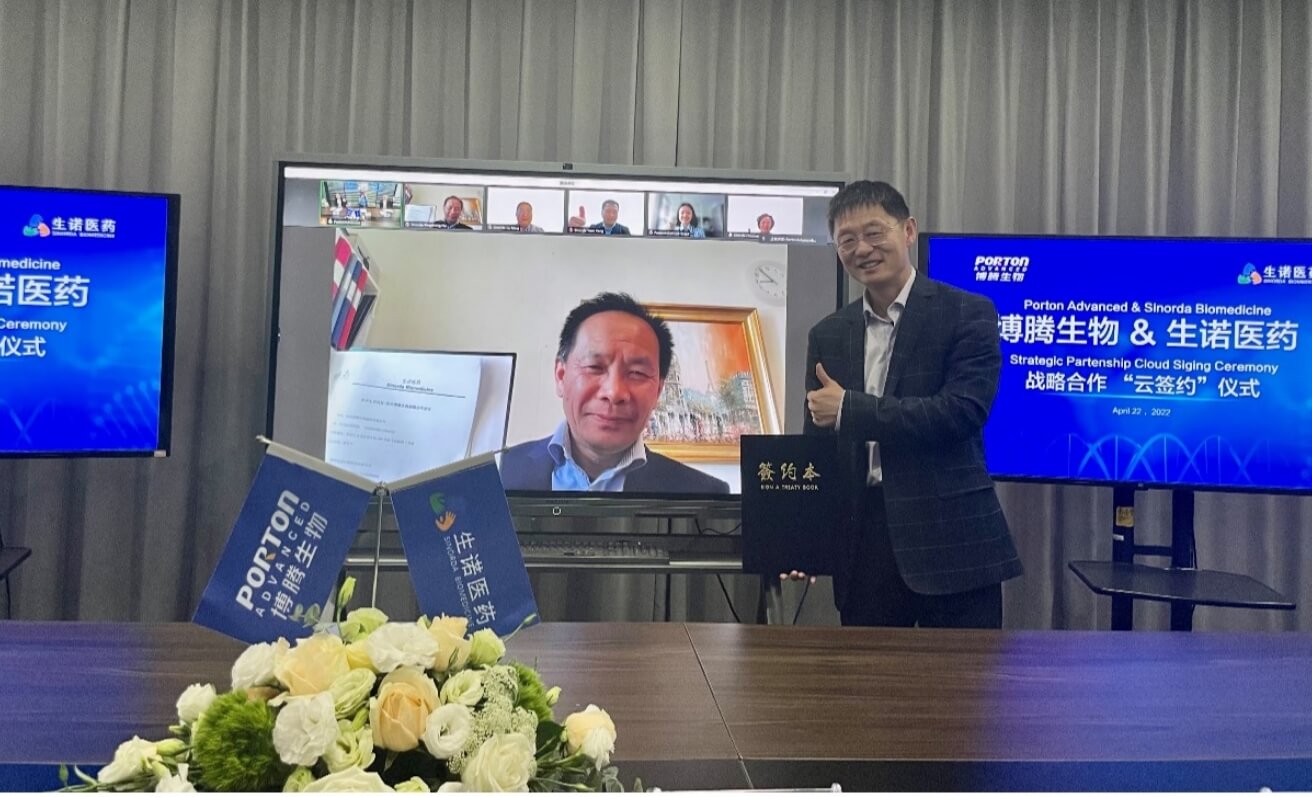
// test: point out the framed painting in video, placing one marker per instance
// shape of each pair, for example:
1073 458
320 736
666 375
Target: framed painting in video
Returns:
718 387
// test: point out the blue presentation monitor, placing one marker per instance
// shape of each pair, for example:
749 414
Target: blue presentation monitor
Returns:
87 287
1158 362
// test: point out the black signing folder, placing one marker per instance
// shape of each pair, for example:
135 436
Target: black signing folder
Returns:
793 499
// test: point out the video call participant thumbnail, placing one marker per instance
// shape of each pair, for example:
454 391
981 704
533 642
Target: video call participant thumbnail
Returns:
609 224
449 206
522 209
350 203
766 217
610 369
684 215
453 207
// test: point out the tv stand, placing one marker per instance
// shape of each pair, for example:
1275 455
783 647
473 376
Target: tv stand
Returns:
1181 584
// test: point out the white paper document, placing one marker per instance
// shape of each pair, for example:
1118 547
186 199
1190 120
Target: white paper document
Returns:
392 414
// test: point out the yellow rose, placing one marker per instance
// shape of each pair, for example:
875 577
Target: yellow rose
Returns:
451 643
593 732
357 658
399 715
313 665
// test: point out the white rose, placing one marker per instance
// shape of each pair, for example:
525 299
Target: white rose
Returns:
593 732
351 780
195 700
254 667
447 730
465 688
485 648
503 763
415 785
175 783
132 759
360 623
351 691
353 748
395 645
306 727
451 785
298 780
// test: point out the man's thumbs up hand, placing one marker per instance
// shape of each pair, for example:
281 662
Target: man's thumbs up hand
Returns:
824 404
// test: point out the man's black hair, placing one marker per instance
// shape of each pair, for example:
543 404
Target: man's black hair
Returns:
615 302
456 198
610 202
867 193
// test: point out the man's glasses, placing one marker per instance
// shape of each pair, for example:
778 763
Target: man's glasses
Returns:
874 238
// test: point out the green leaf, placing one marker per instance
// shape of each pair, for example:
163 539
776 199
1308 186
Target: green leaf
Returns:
312 613
63 774
438 502
549 738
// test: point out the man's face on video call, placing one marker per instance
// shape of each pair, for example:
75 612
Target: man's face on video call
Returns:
524 214
452 210
610 213
766 224
610 382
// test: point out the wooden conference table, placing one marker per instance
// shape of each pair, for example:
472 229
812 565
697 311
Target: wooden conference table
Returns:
716 706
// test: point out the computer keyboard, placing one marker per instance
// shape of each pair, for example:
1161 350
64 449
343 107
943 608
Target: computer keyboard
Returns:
599 552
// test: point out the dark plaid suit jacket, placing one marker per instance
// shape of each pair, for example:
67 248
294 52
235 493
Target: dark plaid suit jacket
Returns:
947 528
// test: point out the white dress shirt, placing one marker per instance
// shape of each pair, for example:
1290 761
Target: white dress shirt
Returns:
881 334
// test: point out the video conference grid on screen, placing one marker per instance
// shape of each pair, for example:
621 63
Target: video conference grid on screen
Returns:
707 212
85 322
1167 362
420 314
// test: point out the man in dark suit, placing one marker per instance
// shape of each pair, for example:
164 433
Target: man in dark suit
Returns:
453 207
610 369
905 379
610 219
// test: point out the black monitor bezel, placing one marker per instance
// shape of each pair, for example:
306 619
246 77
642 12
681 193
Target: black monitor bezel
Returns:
534 501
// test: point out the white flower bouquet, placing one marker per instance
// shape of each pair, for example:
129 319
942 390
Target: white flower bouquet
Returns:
375 706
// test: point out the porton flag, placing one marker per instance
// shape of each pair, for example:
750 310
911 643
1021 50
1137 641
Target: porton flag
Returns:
285 551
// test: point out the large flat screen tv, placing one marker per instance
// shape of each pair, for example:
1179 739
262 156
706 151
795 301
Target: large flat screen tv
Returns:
1157 362
420 305
87 287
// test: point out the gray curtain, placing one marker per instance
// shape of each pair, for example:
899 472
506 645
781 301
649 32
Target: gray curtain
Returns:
1043 116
